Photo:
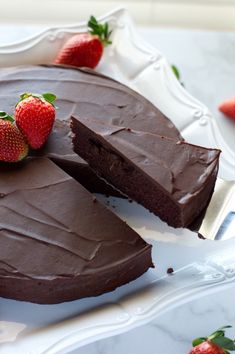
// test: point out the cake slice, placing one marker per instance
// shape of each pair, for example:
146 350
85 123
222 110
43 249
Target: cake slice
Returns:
171 178
57 242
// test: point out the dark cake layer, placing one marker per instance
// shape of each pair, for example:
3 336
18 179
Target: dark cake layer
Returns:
57 242
85 93
171 178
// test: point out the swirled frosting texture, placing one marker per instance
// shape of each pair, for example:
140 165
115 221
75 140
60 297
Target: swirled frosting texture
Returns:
58 243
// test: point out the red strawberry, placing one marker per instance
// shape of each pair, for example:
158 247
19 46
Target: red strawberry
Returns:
85 49
216 343
228 107
35 115
81 50
207 348
13 147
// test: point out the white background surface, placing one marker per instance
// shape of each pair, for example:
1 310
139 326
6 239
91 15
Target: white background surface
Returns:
206 62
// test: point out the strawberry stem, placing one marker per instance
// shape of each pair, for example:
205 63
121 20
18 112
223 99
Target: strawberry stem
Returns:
101 30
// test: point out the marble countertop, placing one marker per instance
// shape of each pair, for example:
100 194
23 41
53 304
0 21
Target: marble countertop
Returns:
206 63
173 332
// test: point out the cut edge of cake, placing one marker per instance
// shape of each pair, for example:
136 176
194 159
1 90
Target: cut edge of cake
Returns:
106 152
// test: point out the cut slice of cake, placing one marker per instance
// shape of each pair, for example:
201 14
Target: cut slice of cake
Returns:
171 178
57 242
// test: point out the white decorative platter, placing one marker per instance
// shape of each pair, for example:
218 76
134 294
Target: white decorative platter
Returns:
200 266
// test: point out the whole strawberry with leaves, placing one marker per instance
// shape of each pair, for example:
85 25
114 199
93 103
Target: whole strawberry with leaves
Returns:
216 343
13 147
86 49
35 116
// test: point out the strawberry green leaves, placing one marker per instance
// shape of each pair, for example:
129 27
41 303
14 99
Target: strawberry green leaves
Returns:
219 333
219 339
46 97
49 97
176 71
224 342
101 30
5 116
198 341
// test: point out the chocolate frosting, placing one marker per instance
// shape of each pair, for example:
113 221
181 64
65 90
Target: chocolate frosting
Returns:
84 92
55 237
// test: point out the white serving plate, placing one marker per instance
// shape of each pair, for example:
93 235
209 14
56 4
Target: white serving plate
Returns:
200 266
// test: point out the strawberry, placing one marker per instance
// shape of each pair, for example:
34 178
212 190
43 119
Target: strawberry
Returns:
13 147
216 343
85 49
34 116
228 108
207 348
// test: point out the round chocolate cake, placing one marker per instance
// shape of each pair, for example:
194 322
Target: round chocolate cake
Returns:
57 243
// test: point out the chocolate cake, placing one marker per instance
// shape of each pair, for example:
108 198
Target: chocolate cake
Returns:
85 93
171 178
57 242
